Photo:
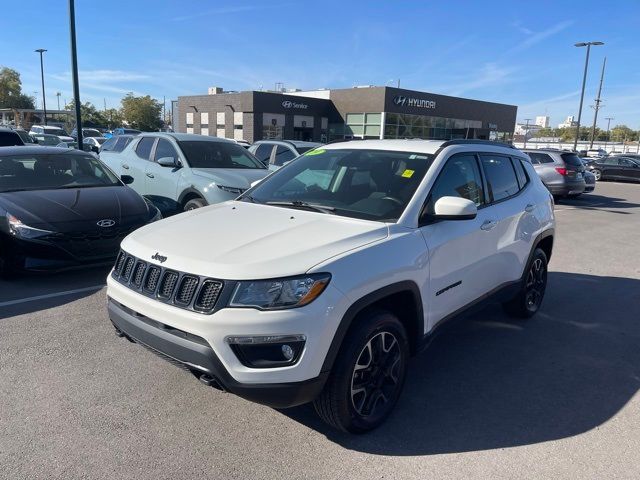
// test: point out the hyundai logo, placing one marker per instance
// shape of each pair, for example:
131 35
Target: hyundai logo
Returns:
287 104
400 100
106 223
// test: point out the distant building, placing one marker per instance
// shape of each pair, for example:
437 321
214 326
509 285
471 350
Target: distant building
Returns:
529 130
543 121
568 123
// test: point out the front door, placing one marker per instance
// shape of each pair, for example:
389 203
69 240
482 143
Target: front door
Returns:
461 252
161 181
135 163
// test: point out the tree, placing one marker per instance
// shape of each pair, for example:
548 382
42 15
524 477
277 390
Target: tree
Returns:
114 117
11 95
142 113
621 133
91 116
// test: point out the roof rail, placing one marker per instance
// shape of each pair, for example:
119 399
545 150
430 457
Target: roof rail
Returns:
464 141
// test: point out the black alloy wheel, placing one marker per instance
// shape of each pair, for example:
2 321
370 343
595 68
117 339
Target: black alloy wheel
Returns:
529 298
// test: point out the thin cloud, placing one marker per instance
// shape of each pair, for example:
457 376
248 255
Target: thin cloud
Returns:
490 75
104 76
535 38
546 101
228 10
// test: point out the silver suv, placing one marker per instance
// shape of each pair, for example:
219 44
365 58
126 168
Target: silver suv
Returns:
561 172
275 153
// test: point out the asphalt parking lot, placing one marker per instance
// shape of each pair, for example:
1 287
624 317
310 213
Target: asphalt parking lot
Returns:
553 397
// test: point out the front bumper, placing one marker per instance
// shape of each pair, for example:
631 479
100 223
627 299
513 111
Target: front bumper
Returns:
201 348
193 354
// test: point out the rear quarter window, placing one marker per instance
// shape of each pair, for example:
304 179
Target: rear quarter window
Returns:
571 159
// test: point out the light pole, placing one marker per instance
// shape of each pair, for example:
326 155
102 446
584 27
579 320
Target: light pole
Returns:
584 81
526 130
608 119
44 99
58 95
74 71
597 105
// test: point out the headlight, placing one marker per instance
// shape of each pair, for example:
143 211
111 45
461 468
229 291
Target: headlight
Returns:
280 293
19 229
234 190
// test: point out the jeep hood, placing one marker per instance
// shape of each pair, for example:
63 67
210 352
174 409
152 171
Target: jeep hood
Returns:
241 241
232 177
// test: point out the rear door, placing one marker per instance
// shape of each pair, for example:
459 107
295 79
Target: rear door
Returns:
629 169
162 182
611 167
511 210
135 161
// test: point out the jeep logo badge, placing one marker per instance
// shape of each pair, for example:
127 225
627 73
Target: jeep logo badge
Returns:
106 223
159 258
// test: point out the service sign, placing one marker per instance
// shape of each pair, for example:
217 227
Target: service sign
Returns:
290 104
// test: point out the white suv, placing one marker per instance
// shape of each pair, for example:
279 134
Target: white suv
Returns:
318 283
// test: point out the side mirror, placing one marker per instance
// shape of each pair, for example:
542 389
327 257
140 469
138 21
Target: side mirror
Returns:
454 208
126 179
168 162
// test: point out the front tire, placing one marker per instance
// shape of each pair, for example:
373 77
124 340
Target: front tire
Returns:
529 298
195 203
368 374
598 174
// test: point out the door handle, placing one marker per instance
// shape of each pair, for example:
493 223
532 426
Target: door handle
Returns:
125 166
529 208
488 225
150 175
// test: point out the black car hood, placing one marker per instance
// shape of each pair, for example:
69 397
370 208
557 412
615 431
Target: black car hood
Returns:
74 209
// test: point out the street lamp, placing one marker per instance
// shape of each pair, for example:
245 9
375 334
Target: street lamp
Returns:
608 119
74 70
526 130
584 81
58 95
44 99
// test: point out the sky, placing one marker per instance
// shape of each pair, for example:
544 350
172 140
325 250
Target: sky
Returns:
519 53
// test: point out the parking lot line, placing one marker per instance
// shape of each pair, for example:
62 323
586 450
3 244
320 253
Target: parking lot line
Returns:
51 295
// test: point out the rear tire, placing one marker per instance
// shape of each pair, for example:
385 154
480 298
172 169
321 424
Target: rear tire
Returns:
367 376
195 203
533 285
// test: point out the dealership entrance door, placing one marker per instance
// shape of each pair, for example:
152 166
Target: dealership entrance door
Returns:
303 128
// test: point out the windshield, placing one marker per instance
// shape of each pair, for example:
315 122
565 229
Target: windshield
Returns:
366 184
202 154
90 132
55 131
100 140
48 140
45 172
304 149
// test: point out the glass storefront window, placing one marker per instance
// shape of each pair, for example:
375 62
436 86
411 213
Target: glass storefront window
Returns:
373 118
355 118
271 132
372 131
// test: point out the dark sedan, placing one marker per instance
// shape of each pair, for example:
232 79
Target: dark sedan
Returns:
63 208
619 167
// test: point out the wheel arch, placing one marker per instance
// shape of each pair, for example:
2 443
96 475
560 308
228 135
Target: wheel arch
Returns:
402 299
189 194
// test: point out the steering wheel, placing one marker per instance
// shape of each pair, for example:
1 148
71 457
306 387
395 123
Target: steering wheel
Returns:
393 199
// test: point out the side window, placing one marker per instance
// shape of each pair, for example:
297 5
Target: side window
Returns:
460 177
533 157
165 149
626 163
537 157
283 155
263 152
109 144
520 172
611 161
501 177
143 149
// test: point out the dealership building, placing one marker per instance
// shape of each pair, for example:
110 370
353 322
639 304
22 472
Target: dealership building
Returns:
328 115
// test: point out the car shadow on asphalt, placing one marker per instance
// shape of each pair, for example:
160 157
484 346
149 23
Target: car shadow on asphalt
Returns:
590 201
33 292
491 382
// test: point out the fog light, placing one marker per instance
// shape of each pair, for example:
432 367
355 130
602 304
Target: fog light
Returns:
287 351
267 351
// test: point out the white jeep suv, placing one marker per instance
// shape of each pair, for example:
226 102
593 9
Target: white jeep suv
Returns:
321 281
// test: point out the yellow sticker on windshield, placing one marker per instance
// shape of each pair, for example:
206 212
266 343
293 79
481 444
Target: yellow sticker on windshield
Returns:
317 151
408 173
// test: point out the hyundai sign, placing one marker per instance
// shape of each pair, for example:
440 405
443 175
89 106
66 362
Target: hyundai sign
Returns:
402 101
290 104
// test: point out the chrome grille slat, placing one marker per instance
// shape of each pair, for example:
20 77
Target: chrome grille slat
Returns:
183 290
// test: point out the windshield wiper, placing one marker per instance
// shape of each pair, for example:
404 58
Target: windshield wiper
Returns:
305 205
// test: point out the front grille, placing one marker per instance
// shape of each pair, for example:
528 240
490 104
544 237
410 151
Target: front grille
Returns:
208 295
167 284
151 282
183 290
